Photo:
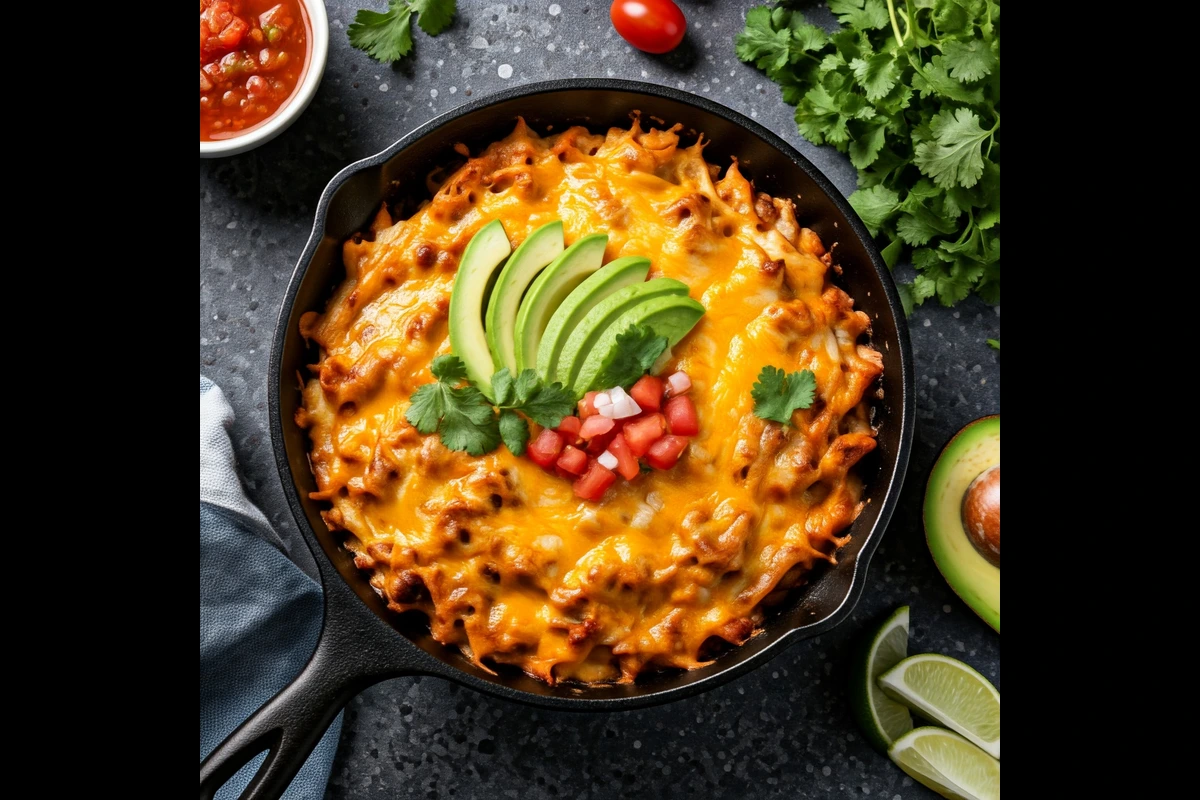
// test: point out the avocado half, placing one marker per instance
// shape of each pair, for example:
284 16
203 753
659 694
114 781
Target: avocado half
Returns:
965 481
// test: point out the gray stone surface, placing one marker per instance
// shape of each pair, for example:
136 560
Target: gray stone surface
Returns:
783 730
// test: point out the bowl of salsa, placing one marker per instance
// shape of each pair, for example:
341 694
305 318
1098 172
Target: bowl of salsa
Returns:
260 63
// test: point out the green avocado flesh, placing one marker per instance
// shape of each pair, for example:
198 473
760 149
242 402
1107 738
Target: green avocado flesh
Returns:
555 284
972 577
484 254
582 341
598 286
669 315
543 246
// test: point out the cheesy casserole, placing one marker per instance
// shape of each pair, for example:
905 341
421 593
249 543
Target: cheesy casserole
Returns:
505 561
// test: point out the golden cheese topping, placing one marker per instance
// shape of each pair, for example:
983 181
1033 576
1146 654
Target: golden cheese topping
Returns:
506 562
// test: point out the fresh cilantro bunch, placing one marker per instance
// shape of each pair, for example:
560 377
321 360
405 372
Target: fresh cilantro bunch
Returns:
466 421
777 394
387 37
910 90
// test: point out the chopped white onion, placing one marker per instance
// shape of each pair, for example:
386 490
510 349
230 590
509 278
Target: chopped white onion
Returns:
616 393
626 407
642 518
607 460
679 383
655 501
602 399
609 411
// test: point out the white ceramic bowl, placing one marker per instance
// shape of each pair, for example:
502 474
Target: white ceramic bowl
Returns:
277 124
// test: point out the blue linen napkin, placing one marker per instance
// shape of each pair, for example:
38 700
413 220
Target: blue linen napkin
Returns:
260 614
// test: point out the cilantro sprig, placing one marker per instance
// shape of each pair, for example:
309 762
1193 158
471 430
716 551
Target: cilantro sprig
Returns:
637 348
911 92
777 394
387 36
464 419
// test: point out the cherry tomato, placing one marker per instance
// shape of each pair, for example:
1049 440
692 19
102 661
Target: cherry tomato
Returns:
653 26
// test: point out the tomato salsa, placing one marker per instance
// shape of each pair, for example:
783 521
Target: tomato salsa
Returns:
253 54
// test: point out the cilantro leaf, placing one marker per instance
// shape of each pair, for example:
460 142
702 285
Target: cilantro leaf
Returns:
527 383
955 156
637 348
777 394
434 16
877 74
469 423
427 408
969 61
875 205
514 430
448 368
502 387
865 149
859 14
547 405
387 36
994 344
384 37
761 43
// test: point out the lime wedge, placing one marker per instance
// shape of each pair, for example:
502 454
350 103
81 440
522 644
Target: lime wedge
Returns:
882 720
948 764
948 692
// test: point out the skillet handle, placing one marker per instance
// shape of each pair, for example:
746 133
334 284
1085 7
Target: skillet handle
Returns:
290 724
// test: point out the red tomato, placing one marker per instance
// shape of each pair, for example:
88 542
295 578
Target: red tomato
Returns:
643 433
573 460
627 463
654 26
681 416
545 448
587 406
569 428
666 451
600 443
648 393
594 426
595 483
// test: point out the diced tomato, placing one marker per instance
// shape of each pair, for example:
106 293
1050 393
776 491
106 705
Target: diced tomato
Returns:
545 448
648 393
643 433
573 460
569 428
587 406
594 426
595 483
666 451
599 444
681 416
627 463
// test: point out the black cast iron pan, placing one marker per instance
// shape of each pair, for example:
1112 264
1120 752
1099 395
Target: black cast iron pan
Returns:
361 641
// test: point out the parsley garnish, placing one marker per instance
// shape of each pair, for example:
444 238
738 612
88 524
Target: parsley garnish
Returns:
911 92
466 421
777 394
387 37
638 347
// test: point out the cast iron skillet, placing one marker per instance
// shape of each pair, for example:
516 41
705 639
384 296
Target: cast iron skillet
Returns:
361 641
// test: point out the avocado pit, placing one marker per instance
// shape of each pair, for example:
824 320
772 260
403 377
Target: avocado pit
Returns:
981 513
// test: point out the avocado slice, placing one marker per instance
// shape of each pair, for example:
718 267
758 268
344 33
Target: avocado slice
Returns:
476 272
614 275
582 340
550 289
543 246
973 451
669 315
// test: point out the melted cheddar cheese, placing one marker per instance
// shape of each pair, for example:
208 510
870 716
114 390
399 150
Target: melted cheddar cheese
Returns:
506 562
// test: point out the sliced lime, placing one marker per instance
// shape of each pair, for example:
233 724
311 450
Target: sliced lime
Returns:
947 691
882 720
948 764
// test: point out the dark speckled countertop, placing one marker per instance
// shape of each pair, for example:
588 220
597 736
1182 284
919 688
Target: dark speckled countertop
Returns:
783 730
